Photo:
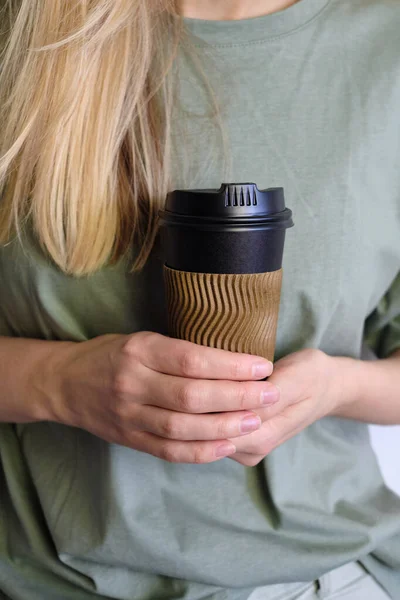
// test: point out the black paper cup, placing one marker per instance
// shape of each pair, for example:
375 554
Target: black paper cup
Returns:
236 229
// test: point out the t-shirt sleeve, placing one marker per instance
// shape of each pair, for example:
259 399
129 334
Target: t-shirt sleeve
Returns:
382 331
4 329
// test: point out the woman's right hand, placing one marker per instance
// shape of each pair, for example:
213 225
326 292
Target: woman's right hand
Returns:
173 399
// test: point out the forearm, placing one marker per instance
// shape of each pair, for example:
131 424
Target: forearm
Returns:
370 390
26 371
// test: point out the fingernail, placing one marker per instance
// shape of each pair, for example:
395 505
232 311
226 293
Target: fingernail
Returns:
225 450
262 369
269 397
250 424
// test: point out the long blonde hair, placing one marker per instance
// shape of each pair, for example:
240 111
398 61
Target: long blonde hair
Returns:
84 126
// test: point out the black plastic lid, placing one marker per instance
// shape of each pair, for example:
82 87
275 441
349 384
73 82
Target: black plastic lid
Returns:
234 203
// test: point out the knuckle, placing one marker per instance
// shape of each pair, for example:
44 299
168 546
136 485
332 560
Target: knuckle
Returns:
129 439
236 368
200 456
168 453
253 460
259 448
129 347
191 363
321 359
315 355
242 391
223 428
189 399
137 343
171 428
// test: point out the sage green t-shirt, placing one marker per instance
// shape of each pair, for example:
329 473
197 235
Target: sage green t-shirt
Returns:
309 100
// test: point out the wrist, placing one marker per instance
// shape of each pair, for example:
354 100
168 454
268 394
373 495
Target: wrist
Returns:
349 373
47 381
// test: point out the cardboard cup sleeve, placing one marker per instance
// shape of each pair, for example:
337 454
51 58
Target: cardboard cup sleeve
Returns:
236 312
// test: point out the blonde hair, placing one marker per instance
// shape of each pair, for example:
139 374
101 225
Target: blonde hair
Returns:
85 112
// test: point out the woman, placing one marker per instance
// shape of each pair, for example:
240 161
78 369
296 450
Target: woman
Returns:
136 466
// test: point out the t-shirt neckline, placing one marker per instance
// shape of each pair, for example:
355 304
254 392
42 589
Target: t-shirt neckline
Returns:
244 31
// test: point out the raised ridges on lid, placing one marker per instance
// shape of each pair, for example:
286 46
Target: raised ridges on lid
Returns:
239 195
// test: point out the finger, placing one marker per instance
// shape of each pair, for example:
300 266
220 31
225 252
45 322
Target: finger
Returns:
289 394
204 396
185 359
247 460
277 430
178 426
181 452
273 409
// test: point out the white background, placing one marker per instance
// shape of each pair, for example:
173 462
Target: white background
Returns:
386 443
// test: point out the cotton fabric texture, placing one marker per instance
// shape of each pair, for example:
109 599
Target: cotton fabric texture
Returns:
309 101
350 582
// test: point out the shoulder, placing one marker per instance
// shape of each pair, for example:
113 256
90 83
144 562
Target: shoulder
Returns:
365 35
370 21
367 10
373 21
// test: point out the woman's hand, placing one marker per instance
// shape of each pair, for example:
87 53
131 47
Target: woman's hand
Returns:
170 398
311 386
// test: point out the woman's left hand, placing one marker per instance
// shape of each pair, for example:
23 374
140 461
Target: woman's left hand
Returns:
311 386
